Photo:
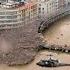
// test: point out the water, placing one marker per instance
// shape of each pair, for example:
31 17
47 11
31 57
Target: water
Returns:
59 33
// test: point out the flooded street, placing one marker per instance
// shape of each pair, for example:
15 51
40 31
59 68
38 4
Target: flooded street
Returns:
58 33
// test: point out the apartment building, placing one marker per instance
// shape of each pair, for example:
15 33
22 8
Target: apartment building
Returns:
46 7
49 8
17 13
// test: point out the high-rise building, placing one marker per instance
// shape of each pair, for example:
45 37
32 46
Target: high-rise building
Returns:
17 13
49 8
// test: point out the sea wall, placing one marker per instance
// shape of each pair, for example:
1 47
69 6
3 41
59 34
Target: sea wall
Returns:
53 47
47 22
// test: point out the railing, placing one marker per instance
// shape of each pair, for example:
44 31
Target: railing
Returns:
45 23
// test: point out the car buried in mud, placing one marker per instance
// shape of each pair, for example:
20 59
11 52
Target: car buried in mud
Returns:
51 63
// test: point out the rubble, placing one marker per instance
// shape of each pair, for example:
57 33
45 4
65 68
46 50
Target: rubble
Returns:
21 44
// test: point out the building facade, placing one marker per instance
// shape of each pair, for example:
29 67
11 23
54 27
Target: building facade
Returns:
24 11
11 14
49 8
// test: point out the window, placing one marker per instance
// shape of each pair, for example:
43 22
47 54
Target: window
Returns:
2 17
42 8
39 8
39 4
2 13
11 13
11 17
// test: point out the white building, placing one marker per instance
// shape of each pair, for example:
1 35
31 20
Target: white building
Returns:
49 8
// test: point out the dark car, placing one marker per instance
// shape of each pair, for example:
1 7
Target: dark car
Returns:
48 63
51 63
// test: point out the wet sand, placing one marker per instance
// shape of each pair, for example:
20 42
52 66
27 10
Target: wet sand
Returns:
59 33
65 58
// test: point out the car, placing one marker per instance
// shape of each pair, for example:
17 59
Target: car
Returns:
51 63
